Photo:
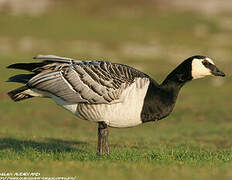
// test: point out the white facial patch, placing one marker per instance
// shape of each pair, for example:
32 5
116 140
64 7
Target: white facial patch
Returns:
210 60
199 70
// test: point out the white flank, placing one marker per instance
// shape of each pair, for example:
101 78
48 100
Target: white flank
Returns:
199 70
125 113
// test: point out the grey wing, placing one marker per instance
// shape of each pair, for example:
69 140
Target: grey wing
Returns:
94 82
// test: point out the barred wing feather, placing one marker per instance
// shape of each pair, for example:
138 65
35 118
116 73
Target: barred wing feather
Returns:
93 82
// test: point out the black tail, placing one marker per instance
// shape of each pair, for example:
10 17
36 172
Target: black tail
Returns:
21 78
18 94
27 66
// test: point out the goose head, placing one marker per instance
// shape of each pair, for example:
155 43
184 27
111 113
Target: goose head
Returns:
194 67
203 66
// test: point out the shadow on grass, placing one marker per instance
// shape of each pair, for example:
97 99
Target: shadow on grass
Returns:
49 145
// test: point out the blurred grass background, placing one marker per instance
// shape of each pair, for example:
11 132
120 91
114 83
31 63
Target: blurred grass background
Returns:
153 36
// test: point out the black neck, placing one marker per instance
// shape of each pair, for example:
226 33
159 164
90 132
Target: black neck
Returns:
176 79
160 100
171 84
172 88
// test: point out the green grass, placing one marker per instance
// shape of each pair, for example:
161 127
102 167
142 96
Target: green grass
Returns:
194 142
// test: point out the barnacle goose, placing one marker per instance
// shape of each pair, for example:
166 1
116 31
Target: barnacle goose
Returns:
111 94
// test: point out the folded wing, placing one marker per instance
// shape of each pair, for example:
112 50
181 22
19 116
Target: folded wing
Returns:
93 82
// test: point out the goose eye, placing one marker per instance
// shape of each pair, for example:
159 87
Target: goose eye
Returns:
206 63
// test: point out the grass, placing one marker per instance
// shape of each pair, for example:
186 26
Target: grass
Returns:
194 142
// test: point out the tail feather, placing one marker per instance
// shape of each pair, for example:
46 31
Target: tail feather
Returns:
21 78
18 95
49 62
27 66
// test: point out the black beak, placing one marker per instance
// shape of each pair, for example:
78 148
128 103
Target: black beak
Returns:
217 72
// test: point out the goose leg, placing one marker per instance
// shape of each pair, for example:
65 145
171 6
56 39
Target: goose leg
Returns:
103 145
107 148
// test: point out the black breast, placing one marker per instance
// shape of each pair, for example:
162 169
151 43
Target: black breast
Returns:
158 103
